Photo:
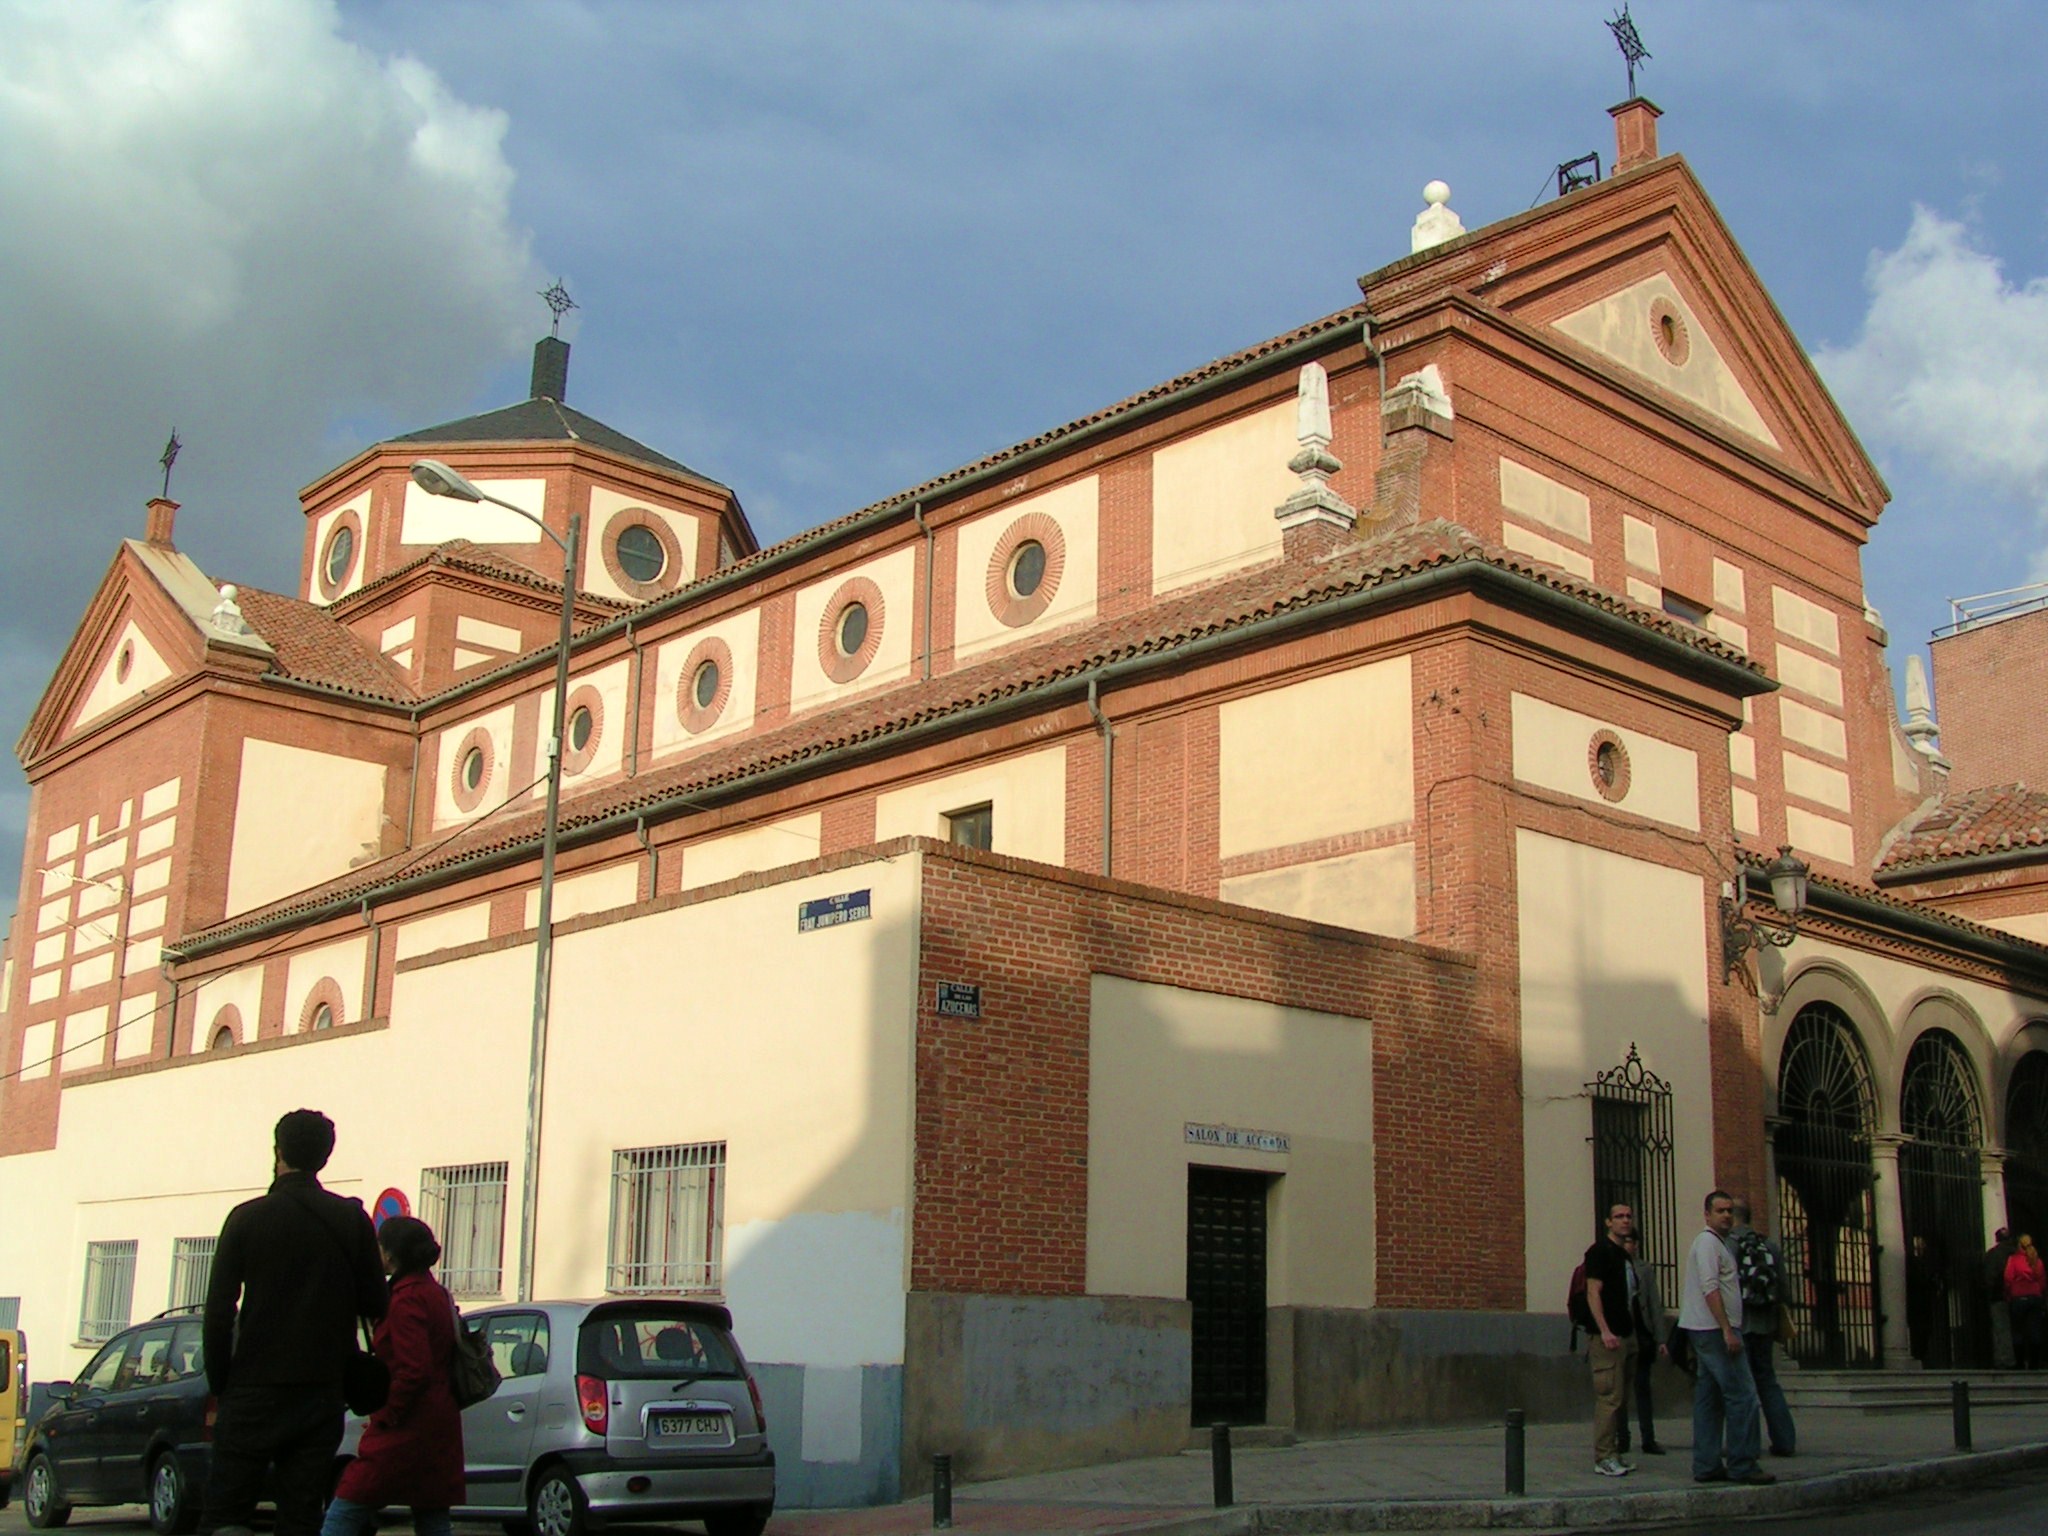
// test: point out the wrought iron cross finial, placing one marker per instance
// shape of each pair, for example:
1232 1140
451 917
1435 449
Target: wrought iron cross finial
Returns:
557 299
170 457
1630 42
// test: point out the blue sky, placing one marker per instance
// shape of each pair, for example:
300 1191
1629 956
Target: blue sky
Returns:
826 251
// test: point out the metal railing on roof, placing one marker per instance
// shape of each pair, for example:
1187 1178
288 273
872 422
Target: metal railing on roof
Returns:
1989 607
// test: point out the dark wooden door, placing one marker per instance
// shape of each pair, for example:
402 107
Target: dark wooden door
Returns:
1227 1287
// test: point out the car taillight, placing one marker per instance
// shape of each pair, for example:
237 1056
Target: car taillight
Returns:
207 1418
760 1413
592 1403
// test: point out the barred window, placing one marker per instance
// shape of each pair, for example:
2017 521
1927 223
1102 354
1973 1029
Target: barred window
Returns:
465 1205
191 1268
109 1290
668 1219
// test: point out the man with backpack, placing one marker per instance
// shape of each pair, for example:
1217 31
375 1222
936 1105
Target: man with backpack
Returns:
1609 1322
1760 1267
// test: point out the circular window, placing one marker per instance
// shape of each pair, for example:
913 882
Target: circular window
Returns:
223 1039
581 725
473 769
1668 330
640 553
1024 569
584 729
705 684
1607 762
124 661
341 553
1027 568
853 628
470 768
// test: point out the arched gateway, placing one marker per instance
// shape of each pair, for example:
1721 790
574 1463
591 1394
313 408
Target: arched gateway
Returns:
1827 1209
1941 1187
2026 1146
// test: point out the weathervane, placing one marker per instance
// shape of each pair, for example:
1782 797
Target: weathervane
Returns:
170 457
1630 42
556 297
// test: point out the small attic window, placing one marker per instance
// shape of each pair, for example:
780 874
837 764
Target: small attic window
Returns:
1669 331
1684 608
124 661
341 554
640 553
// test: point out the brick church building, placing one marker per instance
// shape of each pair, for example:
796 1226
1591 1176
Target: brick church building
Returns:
1187 917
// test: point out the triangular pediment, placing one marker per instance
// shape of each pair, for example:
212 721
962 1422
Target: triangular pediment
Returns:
1650 329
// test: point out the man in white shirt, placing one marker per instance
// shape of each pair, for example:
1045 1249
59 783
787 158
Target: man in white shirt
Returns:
1724 1395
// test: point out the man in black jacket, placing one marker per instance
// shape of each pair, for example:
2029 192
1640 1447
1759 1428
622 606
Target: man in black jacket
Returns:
303 1265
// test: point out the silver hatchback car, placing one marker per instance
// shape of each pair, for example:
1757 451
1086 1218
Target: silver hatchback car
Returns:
617 1410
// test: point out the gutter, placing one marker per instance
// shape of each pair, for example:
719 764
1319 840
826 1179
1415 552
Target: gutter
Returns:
2015 953
1088 682
1962 864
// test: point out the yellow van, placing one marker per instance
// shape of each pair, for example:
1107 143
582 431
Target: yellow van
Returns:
13 1406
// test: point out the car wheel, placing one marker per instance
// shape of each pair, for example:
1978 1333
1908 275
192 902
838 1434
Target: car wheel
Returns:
173 1511
39 1499
740 1520
557 1507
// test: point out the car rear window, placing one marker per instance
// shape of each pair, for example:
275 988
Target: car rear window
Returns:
651 1342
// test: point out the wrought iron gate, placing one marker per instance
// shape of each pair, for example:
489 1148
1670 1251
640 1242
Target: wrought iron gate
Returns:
1941 1179
2026 1146
1227 1291
1632 1144
1827 1206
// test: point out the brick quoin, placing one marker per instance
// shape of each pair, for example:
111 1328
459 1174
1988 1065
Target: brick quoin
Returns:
1001 1160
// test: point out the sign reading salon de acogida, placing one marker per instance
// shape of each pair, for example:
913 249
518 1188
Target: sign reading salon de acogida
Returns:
1234 1138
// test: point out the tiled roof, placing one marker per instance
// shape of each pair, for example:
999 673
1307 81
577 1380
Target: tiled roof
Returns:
1972 825
1196 614
1909 910
462 555
544 421
312 646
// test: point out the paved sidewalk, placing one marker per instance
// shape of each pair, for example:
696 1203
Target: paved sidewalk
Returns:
1452 1479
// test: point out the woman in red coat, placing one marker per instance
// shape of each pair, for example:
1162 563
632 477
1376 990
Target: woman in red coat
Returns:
411 1452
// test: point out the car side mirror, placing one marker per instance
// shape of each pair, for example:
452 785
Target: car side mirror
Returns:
61 1391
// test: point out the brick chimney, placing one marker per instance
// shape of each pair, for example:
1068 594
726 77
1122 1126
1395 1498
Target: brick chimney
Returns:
163 513
1635 133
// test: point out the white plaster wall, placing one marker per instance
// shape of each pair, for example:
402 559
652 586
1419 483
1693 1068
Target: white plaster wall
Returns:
1533 494
1160 1058
1075 507
1806 619
2024 925
500 784
242 989
1613 953
614 727
600 890
444 930
790 841
605 504
344 962
896 575
1809 674
1028 794
146 668
301 817
1319 758
1525 541
1810 728
1373 890
1820 837
1551 750
1619 326
1214 494
437 519
742 636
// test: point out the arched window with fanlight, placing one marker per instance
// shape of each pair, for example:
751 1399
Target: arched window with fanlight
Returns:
1941 1195
2026 1145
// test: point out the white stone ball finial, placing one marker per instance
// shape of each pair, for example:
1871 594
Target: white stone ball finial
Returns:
1437 222
1436 194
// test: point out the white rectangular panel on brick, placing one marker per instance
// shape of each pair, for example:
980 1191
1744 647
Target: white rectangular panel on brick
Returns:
1820 837
1727 585
1526 541
1553 750
1816 781
1529 494
1213 496
1810 728
1810 675
1639 543
1805 620
1743 805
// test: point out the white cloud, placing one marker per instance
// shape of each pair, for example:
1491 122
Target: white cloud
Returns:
1952 363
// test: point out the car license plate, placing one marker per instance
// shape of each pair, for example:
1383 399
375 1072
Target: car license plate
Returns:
693 1424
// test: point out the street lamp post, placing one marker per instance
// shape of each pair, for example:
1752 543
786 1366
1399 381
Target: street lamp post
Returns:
437 479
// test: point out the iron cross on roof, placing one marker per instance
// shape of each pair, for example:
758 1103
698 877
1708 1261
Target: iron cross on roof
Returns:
557 299
1630 42
170 457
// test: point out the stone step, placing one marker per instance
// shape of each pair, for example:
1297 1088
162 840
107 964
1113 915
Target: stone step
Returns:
1911 1391
1245 1437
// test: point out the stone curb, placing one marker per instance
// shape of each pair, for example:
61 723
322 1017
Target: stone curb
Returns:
1579 1511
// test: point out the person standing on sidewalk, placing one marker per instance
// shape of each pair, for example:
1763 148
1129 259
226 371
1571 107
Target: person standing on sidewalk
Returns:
1995 1258
1724 1395
1651 1321
1760 1269
292 1271
1610 1297
2025 1282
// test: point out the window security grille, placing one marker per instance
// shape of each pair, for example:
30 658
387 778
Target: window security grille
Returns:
109 1290
10 1312
465 1205
191 1268
1632 1161
668 1219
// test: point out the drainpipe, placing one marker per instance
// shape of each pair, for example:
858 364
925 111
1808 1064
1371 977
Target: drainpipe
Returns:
1365 335
412 795
163 964
653 858
370 984
1108 766
633 726
917 517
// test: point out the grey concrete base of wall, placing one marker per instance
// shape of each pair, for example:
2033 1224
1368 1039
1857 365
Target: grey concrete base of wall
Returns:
1382 1369
1014 1384
835 1431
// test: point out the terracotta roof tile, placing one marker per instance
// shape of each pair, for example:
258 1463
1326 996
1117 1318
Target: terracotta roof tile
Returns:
312 646
1974 824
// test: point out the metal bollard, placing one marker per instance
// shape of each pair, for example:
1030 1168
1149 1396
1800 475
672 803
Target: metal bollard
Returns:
1959 1401
1219 1465
1517 1461
942 1492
